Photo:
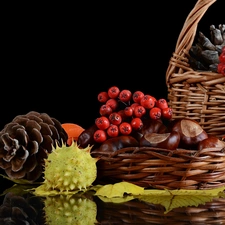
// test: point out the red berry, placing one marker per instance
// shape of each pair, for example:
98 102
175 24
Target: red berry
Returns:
125 128
115 118
161 103
139 111
102 123
113 92
155 113
137 96
112 103
113 130
221 68
100 136
128 111
105 110
222 57
167 113
136 123
125 95
148 101
133 105
103 97
122 114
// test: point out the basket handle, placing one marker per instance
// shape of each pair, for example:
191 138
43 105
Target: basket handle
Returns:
187 34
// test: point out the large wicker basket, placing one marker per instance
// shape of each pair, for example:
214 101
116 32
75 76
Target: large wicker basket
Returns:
199 95
162 168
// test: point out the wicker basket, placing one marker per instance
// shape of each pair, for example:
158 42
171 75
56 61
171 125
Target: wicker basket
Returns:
162 168
199 95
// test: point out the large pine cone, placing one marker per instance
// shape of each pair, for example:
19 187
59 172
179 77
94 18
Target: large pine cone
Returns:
25 143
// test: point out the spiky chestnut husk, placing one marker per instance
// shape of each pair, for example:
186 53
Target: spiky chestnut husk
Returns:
69 209
69 168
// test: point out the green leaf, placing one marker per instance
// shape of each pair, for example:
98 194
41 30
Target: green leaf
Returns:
171 199
119 189
18 189
42 190
20 181
117 199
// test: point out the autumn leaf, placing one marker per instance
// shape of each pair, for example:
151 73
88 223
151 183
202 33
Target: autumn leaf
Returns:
119 189
171 199
43 190
20 181
117 199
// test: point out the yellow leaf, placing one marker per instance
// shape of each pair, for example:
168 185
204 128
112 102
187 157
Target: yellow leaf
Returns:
119 189
20 181
117 199
42 190
171 199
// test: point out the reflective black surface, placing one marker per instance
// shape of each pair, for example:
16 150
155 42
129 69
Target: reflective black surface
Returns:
21 207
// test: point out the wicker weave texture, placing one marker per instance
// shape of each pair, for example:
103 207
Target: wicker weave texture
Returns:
199 95
162 168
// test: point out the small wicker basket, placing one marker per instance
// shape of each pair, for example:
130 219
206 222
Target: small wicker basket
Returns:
199 95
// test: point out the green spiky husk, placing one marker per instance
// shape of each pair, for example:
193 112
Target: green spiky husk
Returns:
69 168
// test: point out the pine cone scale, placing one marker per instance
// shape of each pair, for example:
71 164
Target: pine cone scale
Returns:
18 162
33 146
36 135
204 53
45 130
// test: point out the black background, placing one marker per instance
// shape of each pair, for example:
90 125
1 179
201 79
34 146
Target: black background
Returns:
57 59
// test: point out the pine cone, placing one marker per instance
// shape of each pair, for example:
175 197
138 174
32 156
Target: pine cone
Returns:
204 54
25 143
17 209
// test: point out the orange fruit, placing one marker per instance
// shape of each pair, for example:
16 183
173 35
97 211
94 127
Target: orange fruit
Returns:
73 131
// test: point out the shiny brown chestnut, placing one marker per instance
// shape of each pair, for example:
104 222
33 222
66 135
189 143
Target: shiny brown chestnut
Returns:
116 143
153 126
86 137
191 133
166 140
150 126
211 142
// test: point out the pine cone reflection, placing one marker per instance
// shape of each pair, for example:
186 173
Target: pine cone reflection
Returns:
17 209
25 143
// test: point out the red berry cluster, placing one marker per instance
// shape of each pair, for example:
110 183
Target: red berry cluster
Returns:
122 112
221 65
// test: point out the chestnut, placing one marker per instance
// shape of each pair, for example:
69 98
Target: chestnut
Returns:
211 142
166 140
191 133
150 126
153 126
115 143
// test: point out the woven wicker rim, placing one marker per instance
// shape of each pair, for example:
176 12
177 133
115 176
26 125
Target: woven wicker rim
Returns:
187 34
199 95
